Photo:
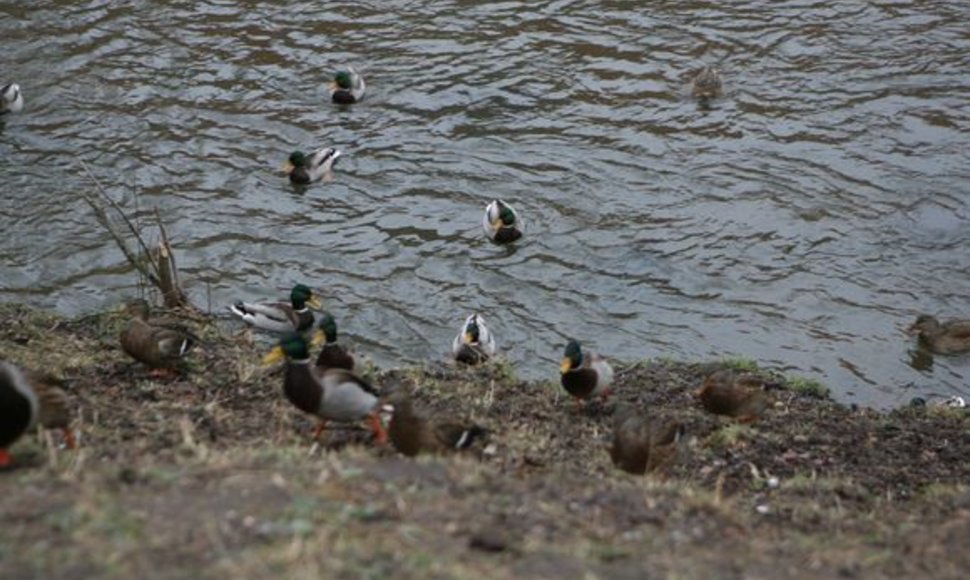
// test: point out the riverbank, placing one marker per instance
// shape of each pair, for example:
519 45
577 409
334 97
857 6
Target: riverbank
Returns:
214 475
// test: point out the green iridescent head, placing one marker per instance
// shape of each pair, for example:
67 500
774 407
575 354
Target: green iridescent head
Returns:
572 357
328 325
506 214
297 159
343 79
472 332
293 346
301 295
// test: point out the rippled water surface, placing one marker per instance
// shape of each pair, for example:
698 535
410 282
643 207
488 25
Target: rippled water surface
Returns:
802 220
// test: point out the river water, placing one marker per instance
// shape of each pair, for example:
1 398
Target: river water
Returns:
802 220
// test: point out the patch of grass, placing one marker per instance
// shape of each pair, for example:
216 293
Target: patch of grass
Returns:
814 483
730 435
938 491
741 364
504 371
808 387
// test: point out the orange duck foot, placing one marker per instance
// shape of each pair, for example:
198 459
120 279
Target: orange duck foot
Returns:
163 374
69 439
380 434
5 458
319 430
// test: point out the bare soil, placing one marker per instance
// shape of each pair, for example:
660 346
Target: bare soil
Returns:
214 474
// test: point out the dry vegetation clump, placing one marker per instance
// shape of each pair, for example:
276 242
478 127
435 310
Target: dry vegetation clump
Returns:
213 474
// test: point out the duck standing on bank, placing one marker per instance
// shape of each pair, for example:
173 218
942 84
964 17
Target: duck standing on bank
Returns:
332 395
474 343
735 394
25 400
332 355
412 433
641 444
159 346
585 375
294 316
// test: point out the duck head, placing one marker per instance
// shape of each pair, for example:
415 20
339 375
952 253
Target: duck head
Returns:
291 347
572 357
301 295
326 330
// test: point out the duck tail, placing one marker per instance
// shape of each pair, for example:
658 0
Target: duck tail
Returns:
468 436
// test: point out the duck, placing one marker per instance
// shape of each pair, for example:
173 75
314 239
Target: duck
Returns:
641 444
501 223
412 432
474 343
26 399
159 346
281 316
707 84
585 375
332 355
735 394
304 169
950 337
347 87
11 99
331 395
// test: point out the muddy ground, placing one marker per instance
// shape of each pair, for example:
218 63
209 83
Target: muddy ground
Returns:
215 475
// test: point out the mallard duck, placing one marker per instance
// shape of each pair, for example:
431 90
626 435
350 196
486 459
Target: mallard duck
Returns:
347 86
707 84
641 444
25 400
735 394
160 346
473 344
950 337
331 395
304 169
501 223
11 99
585 375
280 316
332 355
412 433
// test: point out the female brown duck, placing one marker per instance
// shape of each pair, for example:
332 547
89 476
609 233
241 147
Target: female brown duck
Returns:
950 337
25 400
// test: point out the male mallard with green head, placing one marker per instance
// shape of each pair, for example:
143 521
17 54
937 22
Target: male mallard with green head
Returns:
707 84
281 316
26 399
412 433
585 375
11 99
331 395
501 223
332 355
735 394
159 346
304 169
474 343
347 87
641 444
950 337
